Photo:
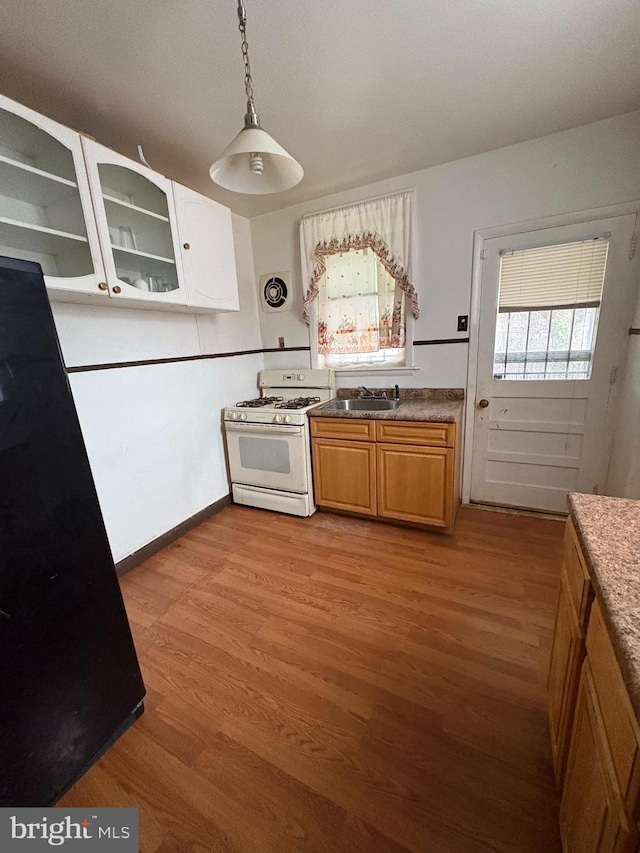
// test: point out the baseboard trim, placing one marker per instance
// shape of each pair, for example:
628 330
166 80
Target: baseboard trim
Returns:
561 515
170 536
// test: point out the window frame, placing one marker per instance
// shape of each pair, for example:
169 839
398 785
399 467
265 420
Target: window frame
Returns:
414 265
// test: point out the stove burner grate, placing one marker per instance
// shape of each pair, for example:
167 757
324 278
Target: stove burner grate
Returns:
297 403
259 402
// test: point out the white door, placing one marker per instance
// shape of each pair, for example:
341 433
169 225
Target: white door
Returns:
208 256
137 228
45 206
554 313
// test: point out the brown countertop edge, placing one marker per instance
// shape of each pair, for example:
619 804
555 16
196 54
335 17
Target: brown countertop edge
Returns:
609 532
438 405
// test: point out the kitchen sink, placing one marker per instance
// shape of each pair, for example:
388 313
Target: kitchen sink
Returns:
366 404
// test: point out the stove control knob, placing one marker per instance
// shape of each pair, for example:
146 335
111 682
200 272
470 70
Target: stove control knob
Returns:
234 416
277 419
287 419
243 416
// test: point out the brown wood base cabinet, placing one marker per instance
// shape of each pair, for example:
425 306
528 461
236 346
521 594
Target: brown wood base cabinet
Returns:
398 470
568 649
595 735
567 655
592 814
347 472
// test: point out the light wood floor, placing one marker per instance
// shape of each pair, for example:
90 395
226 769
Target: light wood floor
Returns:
329 684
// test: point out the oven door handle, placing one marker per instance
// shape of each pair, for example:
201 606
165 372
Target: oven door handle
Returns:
264 429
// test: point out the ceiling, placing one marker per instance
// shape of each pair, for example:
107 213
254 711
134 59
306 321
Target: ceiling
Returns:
357 91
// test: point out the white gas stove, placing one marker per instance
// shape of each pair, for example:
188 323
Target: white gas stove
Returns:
276 410
268 440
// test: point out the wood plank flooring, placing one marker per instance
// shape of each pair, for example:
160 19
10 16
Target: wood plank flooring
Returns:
329 684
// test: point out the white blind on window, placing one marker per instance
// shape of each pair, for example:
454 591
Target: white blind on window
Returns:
568 274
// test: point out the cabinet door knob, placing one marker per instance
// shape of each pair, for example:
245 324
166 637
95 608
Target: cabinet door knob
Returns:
187 246
483 404
117 289
103 285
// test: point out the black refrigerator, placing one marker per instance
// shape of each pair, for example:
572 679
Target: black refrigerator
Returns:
70 683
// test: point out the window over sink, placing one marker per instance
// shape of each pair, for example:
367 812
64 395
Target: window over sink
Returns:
361 313
358 290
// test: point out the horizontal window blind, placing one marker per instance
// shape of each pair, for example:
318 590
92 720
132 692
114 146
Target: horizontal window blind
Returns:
565 275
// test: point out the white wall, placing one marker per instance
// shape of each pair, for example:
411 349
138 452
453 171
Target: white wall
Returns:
153 433
624 473
587 167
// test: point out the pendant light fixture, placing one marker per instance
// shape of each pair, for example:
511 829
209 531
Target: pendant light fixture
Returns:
254 162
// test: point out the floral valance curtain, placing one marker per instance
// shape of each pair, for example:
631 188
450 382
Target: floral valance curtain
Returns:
383 225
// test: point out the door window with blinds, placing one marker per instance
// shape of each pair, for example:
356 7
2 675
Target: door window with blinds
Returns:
548 307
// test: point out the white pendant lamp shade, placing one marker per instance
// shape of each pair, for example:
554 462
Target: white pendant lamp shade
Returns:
255 164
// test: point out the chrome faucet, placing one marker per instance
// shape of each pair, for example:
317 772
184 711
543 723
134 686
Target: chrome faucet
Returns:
368 394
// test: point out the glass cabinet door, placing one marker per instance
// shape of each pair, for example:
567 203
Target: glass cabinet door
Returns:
45 206
136 224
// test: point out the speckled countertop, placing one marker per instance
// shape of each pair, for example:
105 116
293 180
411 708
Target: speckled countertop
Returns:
609 530
439 405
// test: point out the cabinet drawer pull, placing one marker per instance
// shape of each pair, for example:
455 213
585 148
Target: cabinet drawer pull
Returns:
117 289
187 246
103 286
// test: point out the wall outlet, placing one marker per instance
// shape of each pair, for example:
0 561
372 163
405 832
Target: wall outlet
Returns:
463 322
281 342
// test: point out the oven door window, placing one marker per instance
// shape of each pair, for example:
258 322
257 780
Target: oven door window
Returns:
264 454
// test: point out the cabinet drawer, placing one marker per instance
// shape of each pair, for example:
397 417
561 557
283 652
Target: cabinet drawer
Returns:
415 432
578 578
352 429
619 719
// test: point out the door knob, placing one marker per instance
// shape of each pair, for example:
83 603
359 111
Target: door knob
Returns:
187 246
117 289
103 285
483 404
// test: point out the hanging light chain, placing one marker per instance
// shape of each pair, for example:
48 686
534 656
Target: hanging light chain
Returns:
253 162
242 26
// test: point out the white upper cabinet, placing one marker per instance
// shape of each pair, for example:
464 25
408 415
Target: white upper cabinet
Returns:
105 229
137 228
208 257
45 205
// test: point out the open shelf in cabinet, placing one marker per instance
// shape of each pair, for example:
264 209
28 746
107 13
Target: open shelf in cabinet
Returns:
27 183
139 254
134 208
